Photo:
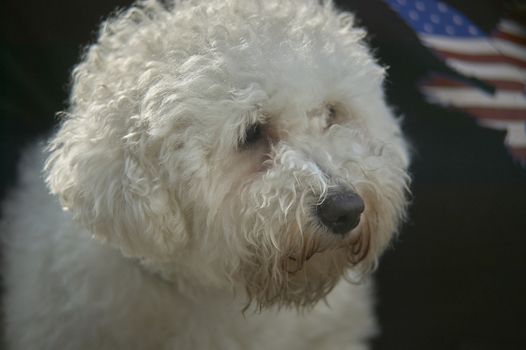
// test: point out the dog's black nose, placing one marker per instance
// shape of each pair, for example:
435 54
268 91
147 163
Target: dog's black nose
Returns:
340 211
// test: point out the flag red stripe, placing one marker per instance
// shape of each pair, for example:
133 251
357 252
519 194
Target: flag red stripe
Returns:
496 113
518 152
479 58
507 85
499 84
444 82
519 40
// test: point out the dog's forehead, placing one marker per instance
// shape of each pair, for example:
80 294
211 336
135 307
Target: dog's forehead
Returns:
285 64
286 44
217 65
307 61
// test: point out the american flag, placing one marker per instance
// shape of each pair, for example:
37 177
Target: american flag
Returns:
497 59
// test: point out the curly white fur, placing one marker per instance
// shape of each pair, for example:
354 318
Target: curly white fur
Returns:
174 234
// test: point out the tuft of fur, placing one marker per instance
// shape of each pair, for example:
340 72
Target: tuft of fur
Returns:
172 220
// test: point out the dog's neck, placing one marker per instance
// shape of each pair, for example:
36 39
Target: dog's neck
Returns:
190 284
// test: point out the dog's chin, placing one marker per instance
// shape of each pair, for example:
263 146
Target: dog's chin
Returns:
301 278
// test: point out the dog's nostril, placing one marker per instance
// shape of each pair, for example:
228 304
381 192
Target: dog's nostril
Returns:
340 211
342 219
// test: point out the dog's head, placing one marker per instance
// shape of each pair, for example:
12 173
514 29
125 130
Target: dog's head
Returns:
234 142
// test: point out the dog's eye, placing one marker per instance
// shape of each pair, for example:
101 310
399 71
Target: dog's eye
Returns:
331 110
252 135
335 113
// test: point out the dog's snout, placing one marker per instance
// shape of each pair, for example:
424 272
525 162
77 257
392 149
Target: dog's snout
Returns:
340 211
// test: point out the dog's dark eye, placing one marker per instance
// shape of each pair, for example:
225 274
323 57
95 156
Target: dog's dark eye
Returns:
331 112
252 135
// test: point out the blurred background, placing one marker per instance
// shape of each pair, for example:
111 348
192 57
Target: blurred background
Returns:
456 276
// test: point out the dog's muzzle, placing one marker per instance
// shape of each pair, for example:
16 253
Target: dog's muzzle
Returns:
340 211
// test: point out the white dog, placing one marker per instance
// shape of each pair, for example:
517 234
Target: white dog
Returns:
222 167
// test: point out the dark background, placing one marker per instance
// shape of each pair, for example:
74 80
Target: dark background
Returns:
455 278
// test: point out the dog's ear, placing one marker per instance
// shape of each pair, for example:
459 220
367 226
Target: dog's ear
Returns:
113 189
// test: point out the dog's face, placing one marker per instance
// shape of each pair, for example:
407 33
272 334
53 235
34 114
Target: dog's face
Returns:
235 144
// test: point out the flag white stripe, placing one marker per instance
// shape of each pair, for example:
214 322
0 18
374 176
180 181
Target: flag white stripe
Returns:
516 135
516 130
462 45
495 123
492 46
509 48
512 27
468 97
496 71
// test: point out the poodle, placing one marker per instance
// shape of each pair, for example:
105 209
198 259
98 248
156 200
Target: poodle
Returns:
226 176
